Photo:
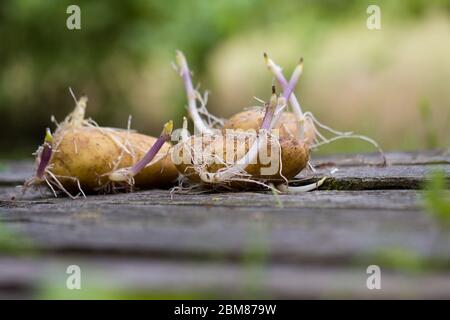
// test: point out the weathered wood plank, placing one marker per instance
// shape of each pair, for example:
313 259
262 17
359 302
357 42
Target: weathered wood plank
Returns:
315 244
375 178
116 278
368 199
15 172
405 170
317 226
427 157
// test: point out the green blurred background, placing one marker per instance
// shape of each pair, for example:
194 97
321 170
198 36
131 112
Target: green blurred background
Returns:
390 84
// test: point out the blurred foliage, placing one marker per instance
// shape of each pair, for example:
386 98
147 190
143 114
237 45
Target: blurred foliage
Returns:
255 256
430 136
93 289
121 56
401 259
437 198
253 264
13 243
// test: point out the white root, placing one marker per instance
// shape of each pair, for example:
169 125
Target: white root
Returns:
213 121
111 185
76 117
311 167
55 182
339 135
51 187
300 189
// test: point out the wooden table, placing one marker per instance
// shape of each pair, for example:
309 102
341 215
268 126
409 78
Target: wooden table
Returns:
157 244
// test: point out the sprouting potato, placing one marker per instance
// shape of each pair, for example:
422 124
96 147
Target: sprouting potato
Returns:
205 158
281 118
80 157
89 154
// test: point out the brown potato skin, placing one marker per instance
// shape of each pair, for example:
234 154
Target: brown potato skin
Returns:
294 158
89 155
252 119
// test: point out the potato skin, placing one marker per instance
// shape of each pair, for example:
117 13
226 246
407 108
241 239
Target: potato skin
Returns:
294 157
89 154
252 119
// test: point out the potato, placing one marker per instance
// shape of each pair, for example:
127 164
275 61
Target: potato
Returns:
294 156
90 153
82 157
252 119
